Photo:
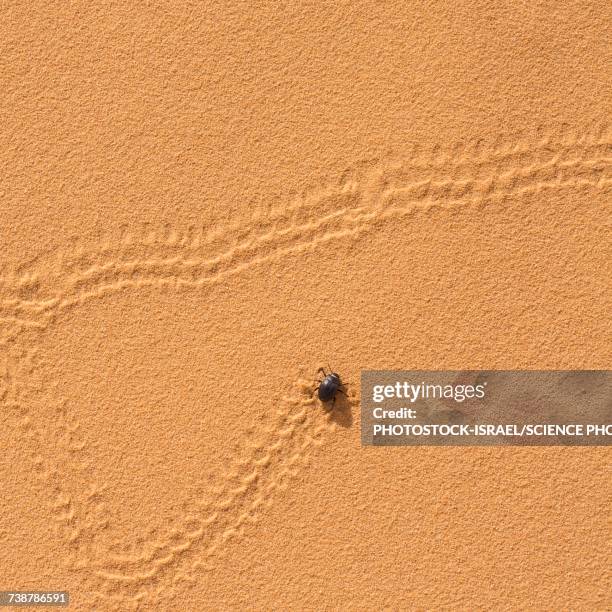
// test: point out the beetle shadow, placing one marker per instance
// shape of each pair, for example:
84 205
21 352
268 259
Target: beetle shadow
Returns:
340 411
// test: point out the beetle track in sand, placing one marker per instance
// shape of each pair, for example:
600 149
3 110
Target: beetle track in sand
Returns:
550 164
249 488
34 296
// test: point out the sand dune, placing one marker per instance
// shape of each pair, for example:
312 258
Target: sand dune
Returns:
189 233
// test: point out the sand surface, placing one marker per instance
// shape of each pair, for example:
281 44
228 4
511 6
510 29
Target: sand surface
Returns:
201 205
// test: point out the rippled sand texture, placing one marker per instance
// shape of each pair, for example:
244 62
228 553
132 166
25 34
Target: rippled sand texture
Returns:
202 206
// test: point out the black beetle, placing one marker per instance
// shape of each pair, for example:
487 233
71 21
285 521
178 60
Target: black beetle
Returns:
329 386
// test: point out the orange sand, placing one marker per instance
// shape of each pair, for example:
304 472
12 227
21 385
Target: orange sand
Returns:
202 205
